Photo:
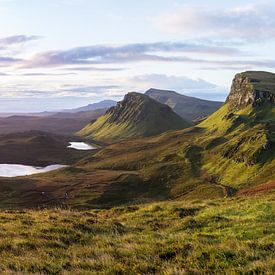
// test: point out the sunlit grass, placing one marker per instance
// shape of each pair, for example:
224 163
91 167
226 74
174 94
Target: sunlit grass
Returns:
231 235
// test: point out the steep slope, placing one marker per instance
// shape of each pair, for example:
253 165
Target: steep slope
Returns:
189 108
242 133
231 152
136 116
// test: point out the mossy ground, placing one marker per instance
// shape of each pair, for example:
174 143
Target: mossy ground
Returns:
204 237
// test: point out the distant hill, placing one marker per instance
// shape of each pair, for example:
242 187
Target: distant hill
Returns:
189 108
137 115
37 148
230 153
58 123
105 104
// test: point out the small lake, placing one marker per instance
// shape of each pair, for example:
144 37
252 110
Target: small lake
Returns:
15 170
81 146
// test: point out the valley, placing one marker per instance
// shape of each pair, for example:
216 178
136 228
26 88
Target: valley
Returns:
228 152
128 174
137 137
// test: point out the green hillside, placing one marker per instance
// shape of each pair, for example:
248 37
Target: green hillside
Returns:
229 153
136 116
227 236
38 148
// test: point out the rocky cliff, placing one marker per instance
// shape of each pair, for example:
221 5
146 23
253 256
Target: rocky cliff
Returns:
251 88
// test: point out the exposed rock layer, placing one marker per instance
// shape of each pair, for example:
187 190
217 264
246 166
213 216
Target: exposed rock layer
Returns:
251 88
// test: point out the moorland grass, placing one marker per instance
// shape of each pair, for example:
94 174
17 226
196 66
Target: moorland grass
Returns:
230 236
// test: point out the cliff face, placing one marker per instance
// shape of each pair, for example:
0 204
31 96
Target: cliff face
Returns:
251 88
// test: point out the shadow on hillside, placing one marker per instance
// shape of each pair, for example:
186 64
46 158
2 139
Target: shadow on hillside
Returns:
194 154
130 188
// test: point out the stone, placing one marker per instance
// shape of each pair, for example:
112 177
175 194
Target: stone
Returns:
251 88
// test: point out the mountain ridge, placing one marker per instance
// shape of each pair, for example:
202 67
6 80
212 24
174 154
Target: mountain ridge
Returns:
231 152
104 104
137 115
189 108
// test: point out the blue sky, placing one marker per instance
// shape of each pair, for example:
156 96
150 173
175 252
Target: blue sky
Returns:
68 53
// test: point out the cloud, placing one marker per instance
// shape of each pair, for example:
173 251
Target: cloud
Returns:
87 91
255 22
36 90
178 83
181 84
104 54
46 95
81 59
43 74
6 61
104 88
173 52
17 39
93 69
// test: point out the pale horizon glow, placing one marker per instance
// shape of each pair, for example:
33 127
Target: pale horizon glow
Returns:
17 170
60 54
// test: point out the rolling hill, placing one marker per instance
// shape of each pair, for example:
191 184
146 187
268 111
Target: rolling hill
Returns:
189 108
37 148
136 116
58 123
230 153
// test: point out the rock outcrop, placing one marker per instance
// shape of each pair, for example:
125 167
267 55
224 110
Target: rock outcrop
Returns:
251 88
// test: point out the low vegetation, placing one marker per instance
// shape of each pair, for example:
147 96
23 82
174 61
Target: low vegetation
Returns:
200 237
136 116
38 149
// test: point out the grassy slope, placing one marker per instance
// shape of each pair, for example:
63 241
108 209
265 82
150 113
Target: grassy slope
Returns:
138 170
241 151
265 80
224 154
203 237
38 149
145 117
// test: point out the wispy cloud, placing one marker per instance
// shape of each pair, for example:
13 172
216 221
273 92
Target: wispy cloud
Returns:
17 39
104 54
94 69
84 59
178 83
109 87
254 22
6 61
173 52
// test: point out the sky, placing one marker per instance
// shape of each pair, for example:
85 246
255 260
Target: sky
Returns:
60 54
